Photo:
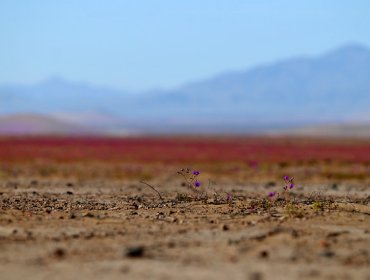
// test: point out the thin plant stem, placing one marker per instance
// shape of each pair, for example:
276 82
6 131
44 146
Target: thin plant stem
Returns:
154 189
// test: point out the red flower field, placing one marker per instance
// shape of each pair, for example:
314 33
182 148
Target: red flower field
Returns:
183 150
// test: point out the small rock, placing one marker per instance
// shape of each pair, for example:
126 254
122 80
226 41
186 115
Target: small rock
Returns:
233 259
327 254
294 233
225 227
59 253
89 235
324 243
69 193
88 215
255 276
170 219
336 233
135 251
311 273
264 254
270 184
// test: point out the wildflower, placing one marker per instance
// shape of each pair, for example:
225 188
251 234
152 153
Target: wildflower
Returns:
272 194
197 184
229 197
291 186
286 178
196 173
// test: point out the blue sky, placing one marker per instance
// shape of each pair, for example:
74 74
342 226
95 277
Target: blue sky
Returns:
161 44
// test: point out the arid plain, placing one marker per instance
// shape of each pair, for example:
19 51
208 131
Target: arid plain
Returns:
113 208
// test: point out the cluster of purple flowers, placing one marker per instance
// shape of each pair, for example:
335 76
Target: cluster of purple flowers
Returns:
272 194
289 184
190 177
196 173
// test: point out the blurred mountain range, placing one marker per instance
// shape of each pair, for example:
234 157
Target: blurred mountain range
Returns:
333 88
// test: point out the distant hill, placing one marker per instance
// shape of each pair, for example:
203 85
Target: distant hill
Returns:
35 125
331 88
333 130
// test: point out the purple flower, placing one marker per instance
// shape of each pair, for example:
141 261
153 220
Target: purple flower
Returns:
291 186
229 197
197 184
196 173
272 194
286 178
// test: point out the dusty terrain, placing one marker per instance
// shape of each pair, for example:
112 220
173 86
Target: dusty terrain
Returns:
74 220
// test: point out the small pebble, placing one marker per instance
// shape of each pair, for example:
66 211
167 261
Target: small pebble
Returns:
88 215
59 253
135 251
264 254
34 182
255 276
327 254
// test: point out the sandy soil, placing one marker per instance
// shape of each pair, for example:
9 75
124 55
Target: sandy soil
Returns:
56 228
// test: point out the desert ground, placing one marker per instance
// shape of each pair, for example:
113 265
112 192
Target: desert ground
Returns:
96 208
